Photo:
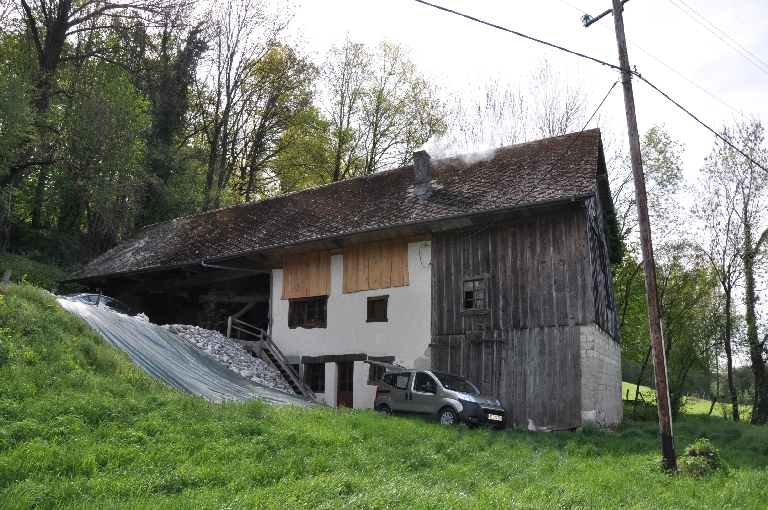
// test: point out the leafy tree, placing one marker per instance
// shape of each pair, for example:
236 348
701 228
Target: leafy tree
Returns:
280 93
379 108
162 63
50 25
744 187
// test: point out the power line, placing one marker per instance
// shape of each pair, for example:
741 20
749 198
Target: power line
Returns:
723 40
503 29
612 66
726 35
665 65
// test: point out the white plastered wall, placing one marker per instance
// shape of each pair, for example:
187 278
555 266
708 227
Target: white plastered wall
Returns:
405 335
600 377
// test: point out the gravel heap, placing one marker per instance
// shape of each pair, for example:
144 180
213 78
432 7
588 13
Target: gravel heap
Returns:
230 354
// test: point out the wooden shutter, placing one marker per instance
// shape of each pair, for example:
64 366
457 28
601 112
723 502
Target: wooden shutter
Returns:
307 275
378 265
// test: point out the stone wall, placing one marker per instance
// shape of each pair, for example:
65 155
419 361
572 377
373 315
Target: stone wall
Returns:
600 377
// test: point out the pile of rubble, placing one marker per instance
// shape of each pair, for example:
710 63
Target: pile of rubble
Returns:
231 354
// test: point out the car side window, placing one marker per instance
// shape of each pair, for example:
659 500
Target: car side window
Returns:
423 383
399 381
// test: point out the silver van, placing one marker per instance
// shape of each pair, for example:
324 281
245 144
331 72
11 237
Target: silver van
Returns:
439 396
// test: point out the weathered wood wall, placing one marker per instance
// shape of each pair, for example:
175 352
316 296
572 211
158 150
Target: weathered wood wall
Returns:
538 275
377 265
602 278
525 349
307 275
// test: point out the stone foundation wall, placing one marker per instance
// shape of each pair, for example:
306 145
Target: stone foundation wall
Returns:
600 377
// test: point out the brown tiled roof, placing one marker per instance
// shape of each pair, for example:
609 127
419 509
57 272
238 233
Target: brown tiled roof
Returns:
524 174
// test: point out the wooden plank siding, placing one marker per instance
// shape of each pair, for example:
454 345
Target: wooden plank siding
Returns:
602 278
536 272
377 265
526 349
307 275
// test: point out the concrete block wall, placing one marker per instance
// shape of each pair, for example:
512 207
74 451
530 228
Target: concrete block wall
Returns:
600 377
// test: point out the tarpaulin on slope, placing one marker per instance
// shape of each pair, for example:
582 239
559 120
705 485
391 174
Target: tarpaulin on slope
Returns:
169 357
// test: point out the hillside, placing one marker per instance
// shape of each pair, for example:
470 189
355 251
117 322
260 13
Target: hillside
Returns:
81 427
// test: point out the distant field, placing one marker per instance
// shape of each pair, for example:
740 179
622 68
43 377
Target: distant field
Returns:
692 405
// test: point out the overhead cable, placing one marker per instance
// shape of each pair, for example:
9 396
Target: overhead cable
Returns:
546 174
612 66
723 40
710 94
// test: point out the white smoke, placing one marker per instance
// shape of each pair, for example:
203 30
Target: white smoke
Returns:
476 157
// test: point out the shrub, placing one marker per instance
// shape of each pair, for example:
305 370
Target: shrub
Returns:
701 458
25 270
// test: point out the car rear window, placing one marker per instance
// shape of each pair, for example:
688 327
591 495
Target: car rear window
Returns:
399 381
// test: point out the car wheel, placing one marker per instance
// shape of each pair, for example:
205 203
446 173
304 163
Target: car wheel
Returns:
385 410
447 416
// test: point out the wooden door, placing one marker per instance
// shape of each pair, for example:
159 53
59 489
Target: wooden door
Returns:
344 391
484 363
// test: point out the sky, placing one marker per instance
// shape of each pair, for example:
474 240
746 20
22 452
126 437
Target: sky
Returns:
666 44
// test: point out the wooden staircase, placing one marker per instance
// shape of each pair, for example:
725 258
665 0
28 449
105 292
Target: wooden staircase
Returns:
257 341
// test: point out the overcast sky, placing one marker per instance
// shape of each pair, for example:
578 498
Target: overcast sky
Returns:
663 41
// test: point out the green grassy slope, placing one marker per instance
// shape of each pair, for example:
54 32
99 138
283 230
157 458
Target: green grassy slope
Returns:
81 427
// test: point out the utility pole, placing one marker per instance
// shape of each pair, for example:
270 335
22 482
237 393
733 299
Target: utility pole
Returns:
649 267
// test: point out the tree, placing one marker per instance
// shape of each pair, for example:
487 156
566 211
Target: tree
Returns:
495 113
690 302
716 210
162 63
750 185
280 93
241 36
50 25
378 106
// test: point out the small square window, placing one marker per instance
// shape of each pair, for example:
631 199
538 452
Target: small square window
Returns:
377 309
314 375
307 313
475 294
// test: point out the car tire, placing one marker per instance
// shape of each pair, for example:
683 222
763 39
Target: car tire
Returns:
447 416
385 410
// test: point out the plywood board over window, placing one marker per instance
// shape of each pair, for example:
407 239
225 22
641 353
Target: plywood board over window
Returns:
378 265
307 275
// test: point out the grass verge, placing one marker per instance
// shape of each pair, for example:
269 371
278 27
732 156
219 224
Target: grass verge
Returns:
81 427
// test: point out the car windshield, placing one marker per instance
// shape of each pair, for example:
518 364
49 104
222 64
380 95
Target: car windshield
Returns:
456 383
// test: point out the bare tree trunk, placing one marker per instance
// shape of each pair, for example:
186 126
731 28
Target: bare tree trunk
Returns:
756 348
728 355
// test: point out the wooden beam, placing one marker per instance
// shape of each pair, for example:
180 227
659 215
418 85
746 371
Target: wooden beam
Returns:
224 298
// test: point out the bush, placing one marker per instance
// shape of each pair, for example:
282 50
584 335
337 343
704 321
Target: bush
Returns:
701 458
41 275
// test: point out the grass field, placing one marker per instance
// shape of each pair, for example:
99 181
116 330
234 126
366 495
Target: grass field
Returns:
81 427
692 405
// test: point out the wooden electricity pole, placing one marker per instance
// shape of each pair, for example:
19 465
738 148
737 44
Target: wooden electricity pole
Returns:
649 267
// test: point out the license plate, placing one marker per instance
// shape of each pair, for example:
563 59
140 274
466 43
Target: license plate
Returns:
494 417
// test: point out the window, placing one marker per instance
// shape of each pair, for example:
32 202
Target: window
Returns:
475 294
314 375
423 383
377 309
307 313
399 381
377 371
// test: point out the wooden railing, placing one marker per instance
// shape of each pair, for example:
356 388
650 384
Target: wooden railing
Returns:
265 349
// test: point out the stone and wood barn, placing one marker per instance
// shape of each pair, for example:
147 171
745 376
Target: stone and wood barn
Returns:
495 266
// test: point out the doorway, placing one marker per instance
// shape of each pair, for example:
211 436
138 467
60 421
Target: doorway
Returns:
344 391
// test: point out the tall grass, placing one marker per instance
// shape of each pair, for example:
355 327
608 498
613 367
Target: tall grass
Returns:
81 427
